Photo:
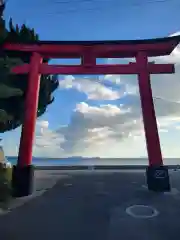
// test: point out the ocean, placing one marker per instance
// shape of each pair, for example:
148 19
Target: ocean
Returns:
74 161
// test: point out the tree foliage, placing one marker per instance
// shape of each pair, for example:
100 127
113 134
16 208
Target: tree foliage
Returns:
12 97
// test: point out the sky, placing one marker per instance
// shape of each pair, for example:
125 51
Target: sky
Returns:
100 116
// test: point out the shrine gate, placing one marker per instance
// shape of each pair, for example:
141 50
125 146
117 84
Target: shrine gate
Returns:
88 52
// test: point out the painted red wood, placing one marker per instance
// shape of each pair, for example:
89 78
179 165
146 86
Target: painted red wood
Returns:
30 113
148 112
96 69
99 50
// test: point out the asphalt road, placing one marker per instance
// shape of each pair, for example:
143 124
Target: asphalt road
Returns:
94 207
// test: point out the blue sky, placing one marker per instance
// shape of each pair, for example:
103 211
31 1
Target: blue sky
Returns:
109 19
92 113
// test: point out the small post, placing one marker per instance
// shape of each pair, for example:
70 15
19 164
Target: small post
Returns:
157 174
23 173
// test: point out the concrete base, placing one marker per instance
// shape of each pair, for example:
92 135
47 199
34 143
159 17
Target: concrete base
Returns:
22 181
158 179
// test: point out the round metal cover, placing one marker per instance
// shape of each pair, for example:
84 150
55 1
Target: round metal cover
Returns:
142 211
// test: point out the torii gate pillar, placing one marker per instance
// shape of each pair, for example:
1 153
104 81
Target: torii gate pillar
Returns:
157 174
23 173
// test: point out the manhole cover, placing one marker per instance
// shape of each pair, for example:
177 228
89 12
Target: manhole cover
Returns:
141 211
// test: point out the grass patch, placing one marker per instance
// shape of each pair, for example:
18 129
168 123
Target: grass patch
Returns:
5 185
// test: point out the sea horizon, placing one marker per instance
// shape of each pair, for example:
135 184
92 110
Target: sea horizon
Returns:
85 161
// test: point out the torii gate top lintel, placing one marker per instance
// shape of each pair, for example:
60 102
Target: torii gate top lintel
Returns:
118 48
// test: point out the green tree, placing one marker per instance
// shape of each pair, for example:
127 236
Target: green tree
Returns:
13 87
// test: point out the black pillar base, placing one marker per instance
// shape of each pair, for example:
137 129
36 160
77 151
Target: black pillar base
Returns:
158 179
22 181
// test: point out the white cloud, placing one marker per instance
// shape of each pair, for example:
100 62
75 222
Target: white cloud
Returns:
93 89
47 143
111 78
92 129
42 124
46 138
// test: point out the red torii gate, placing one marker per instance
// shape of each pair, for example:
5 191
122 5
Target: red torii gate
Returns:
88 52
